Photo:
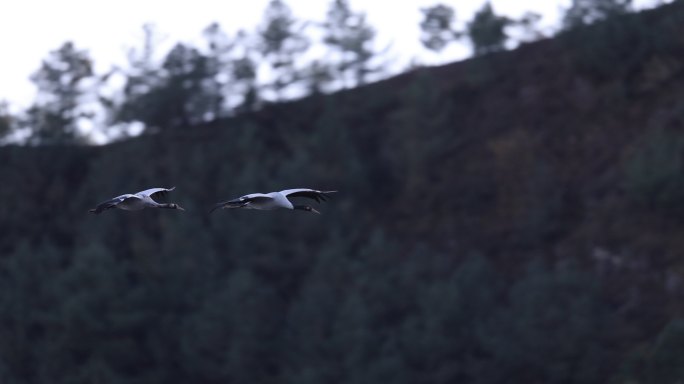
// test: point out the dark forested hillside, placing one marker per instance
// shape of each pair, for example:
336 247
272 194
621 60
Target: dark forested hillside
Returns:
516 217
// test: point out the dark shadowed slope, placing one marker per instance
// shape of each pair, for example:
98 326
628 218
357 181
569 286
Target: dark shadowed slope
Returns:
516 217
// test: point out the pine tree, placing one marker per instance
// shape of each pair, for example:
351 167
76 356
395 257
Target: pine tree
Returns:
62 80
318 77
487 30
181 93
190 88
244 74
583 12
438 27
142 76
6 120
281 41
348 34
220 48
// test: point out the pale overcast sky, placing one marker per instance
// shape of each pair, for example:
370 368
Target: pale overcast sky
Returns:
29 29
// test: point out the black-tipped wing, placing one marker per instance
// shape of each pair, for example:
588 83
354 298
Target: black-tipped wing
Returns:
152 192
109 204
242 201
228 204
308 193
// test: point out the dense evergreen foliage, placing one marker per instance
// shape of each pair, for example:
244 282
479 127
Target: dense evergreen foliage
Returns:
487 30
582 12
54 119
511 218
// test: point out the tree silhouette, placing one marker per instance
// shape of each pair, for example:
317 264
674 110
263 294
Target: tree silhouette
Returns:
349 35
190 87
62 82
244 73
281 41
142 76
6 120
317 77
438 27
218 58
183 92
583 12
486 30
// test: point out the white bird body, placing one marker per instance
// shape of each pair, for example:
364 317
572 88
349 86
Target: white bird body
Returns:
129 202
136 201
265 201
275 200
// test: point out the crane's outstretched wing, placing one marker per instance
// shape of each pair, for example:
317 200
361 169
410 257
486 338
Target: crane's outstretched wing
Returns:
308 193
109 204
242 201
155 192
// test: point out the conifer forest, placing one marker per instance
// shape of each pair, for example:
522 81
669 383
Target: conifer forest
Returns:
514 217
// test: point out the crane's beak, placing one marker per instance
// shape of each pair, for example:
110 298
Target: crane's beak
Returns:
313 210
179 207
